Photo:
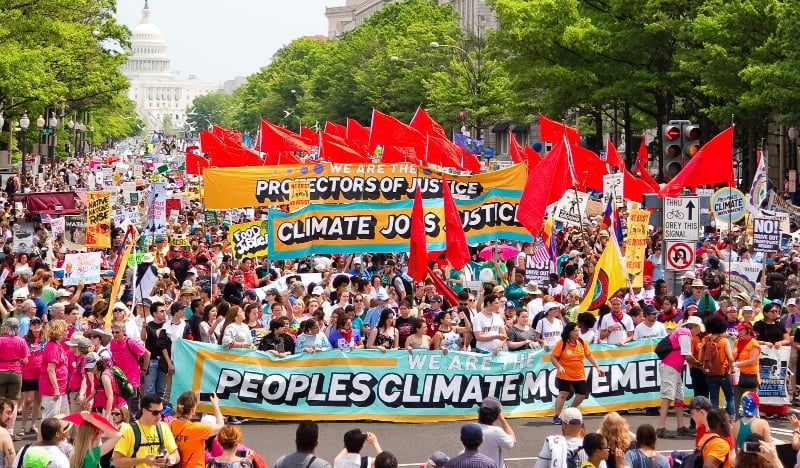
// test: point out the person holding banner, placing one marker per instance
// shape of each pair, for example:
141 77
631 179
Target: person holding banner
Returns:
568 358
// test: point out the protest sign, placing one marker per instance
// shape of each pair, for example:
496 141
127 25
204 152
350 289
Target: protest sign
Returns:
636 244
537 271
571 208
82 267
156 222
766 235
23 238
249 239
98 219
299 194
351 228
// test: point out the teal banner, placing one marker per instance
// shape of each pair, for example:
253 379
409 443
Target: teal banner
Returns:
425 386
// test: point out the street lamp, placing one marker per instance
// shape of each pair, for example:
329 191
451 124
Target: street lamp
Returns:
51 153
794 133
24 123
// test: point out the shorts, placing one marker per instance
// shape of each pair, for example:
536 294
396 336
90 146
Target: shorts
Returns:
578 386
671 383
30 385
10 385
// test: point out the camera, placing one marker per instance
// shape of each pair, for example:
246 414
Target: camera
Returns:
752 447
241 453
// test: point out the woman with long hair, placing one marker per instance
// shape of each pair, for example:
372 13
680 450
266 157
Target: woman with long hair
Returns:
311 339
385 335
191 436
568 356
345 337
645 454
618 435
97 319
298 315
209 324
119 416
88 449
448 336
54 370
419 339
31 400
235 332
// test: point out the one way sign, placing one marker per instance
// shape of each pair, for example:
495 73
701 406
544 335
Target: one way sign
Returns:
681 218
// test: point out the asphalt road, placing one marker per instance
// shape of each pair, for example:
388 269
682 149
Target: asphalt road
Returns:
413 443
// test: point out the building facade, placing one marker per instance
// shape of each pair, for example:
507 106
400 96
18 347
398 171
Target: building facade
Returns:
162 99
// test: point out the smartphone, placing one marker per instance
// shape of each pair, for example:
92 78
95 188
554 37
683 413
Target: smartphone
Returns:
204 396
241 453
752 447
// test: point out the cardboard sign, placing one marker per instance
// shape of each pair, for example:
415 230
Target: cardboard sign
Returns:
571 209
82 267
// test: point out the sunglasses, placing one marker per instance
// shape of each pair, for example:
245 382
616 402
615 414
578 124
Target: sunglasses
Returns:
155 412
116 413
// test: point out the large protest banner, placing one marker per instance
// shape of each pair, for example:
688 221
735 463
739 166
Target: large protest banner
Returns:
342 183
351 228
98 219
249 239
635 245
425 386
743 277
492 216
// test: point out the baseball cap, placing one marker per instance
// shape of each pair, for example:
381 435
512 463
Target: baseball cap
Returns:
510 305
650 309
491 403
357 260
436 298
382 296
700 402
471 432
572 416
438 459
744 325
251 293
63 293
791 301
317 291
90 361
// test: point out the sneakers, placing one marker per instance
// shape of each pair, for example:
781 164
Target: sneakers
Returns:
685 431
33 431
662 433
556 420
233 420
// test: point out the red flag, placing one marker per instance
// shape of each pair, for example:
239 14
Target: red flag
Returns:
357 133
634 188
589 168
468 160
195 164
310 135
425 124
388 131
335 151
546 185
613 157
281 157
442 288
552 131
457 250
335 129
712 165
442 152
275 139
532 157
516 151
229 137
222 155
418 251
640 168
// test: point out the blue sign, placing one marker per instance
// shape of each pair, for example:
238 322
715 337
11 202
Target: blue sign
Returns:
488 152
728 205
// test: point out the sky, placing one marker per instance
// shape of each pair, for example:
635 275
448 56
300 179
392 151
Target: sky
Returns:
217 40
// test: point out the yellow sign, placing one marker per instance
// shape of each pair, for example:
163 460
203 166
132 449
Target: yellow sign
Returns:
249 239
98 219
299 194
636 245
179 240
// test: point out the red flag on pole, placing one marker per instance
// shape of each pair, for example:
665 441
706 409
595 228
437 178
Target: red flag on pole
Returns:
515 150
613 157
418 251
332 150
640 168
712 165
275 139
310 135
425 124
357 133
222 155
195 164
552 131
335 129
457 250
388 131
546 185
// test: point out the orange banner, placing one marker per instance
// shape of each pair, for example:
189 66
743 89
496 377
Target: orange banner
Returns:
98 219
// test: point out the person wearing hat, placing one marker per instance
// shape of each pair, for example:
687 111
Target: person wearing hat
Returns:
436 460
548 329
650 327
495 438
703 301
671 373
471 439
750 423
105 391
698 411
746 351
556 447
100 340
616 327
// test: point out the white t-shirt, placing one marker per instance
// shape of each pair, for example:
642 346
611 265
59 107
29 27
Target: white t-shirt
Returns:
619 331
350 460
487 325
535 306
494 441
569 285
644 331
550 332
562 445
57 457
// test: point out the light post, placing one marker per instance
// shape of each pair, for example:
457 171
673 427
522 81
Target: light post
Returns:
73 144
51 148
24 123
794 133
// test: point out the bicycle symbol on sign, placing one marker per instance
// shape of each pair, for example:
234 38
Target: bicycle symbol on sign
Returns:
675 214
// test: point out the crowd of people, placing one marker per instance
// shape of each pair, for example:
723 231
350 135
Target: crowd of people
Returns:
61 344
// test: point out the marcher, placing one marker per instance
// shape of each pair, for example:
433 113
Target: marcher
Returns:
671 371
471 438
306 440
568 356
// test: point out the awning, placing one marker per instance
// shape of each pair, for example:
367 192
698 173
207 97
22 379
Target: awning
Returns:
502 128
49 202
520 128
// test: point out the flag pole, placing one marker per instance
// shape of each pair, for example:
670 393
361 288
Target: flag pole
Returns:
730 227
572 175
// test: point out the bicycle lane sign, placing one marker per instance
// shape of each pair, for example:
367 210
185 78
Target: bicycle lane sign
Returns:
681 218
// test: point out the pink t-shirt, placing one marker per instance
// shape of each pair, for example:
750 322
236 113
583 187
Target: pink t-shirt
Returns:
53 353
126 354
32 370
77 372
13 349
100 395
682 340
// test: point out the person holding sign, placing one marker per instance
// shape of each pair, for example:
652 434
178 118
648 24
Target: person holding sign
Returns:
568 357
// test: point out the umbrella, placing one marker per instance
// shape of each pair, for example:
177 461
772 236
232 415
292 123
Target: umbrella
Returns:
506 251
94 419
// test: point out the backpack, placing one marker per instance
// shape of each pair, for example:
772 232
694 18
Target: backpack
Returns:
137 439
714 362
694 459
11 187
126 389
566 458
406 285
664 347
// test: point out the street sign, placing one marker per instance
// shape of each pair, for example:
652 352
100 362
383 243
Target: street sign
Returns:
679 256
728 205
681 218
46 131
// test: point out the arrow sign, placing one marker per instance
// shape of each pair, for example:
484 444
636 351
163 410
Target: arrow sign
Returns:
678 218
679 255
690 207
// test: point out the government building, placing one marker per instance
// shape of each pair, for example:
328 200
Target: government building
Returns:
161 98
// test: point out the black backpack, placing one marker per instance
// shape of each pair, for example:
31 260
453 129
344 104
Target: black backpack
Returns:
695 459
406 285
664 347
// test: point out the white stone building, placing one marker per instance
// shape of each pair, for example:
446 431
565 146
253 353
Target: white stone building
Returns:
159 94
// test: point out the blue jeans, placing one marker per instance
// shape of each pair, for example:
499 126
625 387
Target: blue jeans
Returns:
717 382
155 381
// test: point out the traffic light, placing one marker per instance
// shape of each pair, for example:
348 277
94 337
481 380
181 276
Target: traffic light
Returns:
691 140
673 149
